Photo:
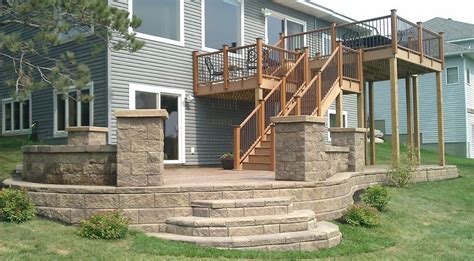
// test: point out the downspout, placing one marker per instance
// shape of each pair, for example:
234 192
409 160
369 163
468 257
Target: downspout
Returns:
468 144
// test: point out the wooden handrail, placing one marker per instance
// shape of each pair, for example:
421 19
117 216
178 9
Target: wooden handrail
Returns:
363 21
329 59
280 49
308 32
294 66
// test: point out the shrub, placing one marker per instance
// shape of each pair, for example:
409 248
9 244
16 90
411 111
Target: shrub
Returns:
400 175
362 215
15 206
377 197
109 225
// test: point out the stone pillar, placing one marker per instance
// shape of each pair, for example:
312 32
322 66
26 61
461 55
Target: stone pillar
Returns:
352 138
88 135
300 148
140 143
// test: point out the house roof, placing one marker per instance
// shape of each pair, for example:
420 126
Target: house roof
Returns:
310 7
453 30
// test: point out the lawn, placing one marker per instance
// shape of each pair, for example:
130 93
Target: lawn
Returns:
425 221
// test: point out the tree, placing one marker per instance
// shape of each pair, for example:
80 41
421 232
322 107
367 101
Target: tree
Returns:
33 28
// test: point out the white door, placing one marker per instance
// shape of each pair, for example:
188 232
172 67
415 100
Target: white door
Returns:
171 100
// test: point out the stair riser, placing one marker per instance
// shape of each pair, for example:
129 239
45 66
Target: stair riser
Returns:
259 159
240 230
241 212
257 166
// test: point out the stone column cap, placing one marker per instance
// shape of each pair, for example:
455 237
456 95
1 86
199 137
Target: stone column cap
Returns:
301 118
142 113
87 129
358 130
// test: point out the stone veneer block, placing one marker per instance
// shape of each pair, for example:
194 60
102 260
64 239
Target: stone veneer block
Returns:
140 143
300 148
88 135
352 138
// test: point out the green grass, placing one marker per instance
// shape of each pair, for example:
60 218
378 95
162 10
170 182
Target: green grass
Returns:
427 221
10 154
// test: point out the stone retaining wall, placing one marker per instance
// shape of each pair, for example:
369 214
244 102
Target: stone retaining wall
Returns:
149 207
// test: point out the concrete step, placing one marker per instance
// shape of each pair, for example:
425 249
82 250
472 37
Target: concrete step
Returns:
242 226
323 236
242 207
256 166
260 158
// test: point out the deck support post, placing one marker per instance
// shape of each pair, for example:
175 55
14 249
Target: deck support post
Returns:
339 111
394 105
394 31
420 41
307 70
261 121
318 95
259 61
237 165
366 124
439 94
195 72
283 95
273 147
225 51
409 112
333 36
372 123
416 120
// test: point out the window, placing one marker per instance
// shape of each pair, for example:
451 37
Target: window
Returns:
161 21
223 23
468 76
277 23
452 75
70 111
16 116
332 120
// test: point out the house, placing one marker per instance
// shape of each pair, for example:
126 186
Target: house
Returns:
458 93
200 128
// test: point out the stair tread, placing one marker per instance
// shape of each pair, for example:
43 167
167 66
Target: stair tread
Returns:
323 231
192 221
238 203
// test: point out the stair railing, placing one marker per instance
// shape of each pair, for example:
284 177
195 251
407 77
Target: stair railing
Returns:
253 129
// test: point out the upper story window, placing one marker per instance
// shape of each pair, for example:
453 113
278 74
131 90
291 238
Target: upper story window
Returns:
16 116
222 23
452 75
71 111
161 20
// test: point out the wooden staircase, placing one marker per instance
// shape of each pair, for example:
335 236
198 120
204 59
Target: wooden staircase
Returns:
261 157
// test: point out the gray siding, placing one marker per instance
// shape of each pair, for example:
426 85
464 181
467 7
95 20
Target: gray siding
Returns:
208 121
453 106
42 100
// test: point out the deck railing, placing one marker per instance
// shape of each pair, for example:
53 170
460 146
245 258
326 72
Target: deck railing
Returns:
390 30
239 63
253 129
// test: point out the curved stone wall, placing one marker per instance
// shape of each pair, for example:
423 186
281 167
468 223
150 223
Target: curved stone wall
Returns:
149 207
70 164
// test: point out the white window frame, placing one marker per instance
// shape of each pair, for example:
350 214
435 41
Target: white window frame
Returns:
203 26
457 69
63 133
145 36
283 17
333 112
181 94
22 130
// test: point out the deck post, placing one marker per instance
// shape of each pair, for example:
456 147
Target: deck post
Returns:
262 119
439 94
298 105
420 40
360 95
416 119
409 113
339 111
333 36
366 155
394 104
237 165
307 72
195 72
441 47
282 40
318 95
394 31
226 66
340 63
259 61
283 95
273 147
372 123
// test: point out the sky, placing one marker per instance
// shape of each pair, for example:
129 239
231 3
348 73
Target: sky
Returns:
412 10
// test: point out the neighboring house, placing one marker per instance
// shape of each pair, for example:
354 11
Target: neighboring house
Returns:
160 75
458 93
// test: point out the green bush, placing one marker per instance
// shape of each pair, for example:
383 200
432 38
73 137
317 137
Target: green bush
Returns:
377 197
400 175
109 225
15 206
362 215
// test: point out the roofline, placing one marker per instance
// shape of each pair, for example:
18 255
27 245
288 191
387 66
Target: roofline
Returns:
312 4
461 40
460 53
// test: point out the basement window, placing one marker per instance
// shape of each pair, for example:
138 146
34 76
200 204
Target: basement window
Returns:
16 116
452 75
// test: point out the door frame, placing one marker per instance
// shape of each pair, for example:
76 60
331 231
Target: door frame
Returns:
181 94
269 12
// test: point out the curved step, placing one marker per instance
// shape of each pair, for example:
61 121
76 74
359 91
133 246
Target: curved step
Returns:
242 207
241 226
323 236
